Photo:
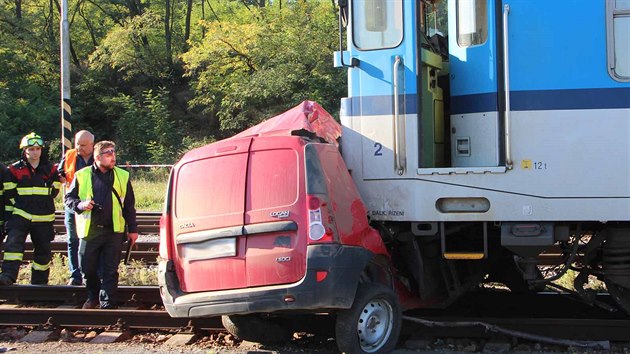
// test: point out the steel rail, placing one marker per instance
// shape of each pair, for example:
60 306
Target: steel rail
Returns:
141 251
148 222
546 314
76 294
125 318
566 327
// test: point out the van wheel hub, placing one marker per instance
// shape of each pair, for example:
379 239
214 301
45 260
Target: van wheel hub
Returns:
375 324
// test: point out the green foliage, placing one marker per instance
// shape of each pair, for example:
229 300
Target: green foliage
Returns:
154 92
145 131
26 103
259 65
135 48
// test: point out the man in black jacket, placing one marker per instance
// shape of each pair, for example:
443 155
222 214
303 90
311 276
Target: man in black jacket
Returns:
104 204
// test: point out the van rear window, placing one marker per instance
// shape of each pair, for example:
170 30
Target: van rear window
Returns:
272 179
214 186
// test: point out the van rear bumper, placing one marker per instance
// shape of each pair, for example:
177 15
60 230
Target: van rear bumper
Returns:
344 265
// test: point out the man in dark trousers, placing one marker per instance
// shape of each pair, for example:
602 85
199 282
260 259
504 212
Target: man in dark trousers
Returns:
104 203
72 161
30 187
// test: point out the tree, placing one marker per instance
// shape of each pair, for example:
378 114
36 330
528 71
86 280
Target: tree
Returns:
265 61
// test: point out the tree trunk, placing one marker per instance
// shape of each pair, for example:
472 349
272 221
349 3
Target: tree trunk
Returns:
135 7
189 5
167 30
18 9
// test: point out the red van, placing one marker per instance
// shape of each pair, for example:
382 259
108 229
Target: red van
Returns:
269 224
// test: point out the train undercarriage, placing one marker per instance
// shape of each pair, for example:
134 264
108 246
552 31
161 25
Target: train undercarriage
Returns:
437 262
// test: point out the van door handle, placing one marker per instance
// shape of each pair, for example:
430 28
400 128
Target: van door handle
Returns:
506 75
400 159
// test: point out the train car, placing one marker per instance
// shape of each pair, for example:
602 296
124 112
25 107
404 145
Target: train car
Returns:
476 151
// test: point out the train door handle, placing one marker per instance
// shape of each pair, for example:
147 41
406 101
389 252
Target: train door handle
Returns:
506 75
400 158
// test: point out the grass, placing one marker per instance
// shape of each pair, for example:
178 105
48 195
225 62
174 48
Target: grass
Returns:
149 187
136 273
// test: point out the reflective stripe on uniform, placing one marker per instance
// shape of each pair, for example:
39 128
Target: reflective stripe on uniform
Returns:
8 208
41 267
57 185
9 185
11 256
33 191
34 218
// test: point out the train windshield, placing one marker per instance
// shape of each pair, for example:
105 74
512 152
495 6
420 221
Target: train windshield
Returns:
377 23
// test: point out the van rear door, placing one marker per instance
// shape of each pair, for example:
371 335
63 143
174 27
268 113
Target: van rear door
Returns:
275 212
208 210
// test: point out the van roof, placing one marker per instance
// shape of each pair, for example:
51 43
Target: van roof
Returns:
308 116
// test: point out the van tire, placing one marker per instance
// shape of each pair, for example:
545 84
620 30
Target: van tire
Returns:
254 328
374 303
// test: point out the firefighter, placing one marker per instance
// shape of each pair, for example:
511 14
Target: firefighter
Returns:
30 186
74 160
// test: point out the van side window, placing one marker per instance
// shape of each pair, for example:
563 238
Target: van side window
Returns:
315 181
472 22
377 24
618 38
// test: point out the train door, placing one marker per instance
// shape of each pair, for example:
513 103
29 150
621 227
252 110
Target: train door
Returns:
477 120
381 84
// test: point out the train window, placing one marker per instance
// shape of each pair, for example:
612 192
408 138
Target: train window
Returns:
472 22
618 38
377 23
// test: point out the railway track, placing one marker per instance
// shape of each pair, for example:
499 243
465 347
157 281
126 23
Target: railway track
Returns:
146 252
148 222
549 314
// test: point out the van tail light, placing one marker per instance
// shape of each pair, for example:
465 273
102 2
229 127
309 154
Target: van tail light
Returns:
165 235
319 228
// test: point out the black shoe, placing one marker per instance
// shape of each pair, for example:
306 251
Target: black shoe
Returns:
75 282
90 304
5 279
108 307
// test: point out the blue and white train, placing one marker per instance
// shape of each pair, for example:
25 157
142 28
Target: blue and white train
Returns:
480 150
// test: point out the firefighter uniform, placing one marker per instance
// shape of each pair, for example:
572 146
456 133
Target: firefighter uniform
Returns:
29 209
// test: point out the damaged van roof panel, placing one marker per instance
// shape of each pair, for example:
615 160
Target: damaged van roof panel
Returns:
307 116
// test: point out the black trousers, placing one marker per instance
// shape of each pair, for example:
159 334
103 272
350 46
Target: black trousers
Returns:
105 249
42 233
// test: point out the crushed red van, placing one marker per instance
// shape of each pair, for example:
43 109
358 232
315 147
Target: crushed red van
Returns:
268 224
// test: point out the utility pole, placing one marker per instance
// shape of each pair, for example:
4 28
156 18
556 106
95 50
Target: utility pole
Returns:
66 108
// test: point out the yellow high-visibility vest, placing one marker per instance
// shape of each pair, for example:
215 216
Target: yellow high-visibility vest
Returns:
84 178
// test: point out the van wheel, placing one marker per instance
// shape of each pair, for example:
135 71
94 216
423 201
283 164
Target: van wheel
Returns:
254 328
372 324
